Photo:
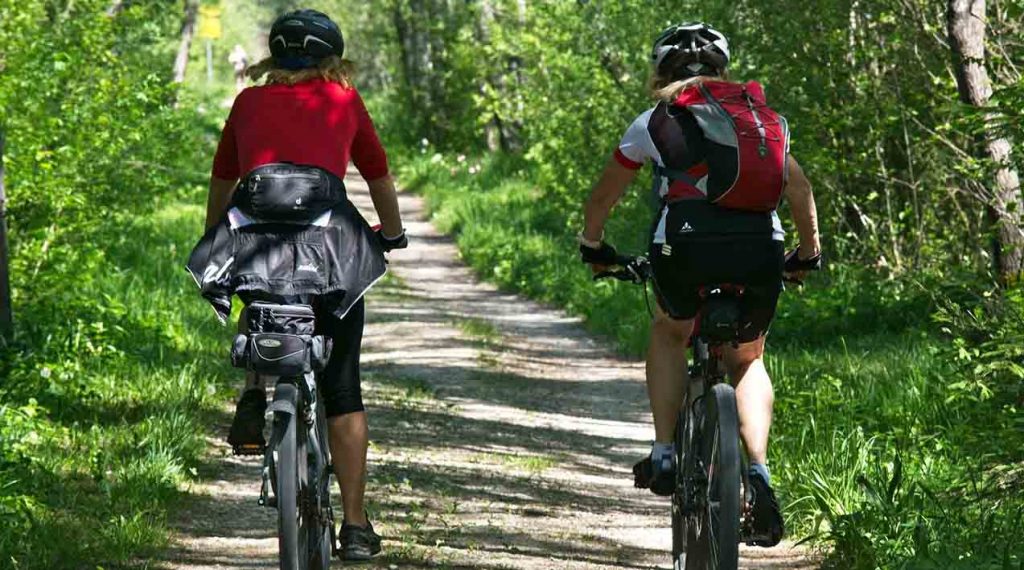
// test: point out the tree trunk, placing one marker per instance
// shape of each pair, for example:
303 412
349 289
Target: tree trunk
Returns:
492 130
115 8
188 27
417 65
6 319
966 23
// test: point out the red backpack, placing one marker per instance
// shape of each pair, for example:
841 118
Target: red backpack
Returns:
747 144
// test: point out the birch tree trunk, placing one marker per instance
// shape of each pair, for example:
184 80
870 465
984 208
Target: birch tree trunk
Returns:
188 28
966 23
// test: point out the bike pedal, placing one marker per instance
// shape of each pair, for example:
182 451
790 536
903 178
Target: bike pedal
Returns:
249 449
643 471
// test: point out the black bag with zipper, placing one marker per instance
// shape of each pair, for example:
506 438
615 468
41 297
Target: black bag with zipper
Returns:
289 193
280 341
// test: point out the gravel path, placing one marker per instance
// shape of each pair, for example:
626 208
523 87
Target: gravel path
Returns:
502 433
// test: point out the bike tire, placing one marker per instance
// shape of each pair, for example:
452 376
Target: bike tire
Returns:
321 536
717 537
286 474
679 520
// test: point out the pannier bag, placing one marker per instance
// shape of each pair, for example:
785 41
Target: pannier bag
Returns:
280 341
290 193
747 145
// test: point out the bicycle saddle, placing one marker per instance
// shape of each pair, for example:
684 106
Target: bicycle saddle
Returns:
720 313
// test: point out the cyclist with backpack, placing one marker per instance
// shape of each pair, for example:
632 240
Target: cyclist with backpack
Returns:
721 165
305 123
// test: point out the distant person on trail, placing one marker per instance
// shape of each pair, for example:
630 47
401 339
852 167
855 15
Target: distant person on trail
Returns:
719 185
308 114
239 61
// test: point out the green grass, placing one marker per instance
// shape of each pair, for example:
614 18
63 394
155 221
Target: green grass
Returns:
103 420
480 330
888 451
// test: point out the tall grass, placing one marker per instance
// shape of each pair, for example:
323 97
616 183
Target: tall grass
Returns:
103 420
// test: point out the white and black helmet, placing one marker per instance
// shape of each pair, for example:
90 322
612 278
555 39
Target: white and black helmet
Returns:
301 38
691 49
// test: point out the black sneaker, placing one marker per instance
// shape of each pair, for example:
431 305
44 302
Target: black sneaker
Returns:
661 482
246 435
767 518
359 543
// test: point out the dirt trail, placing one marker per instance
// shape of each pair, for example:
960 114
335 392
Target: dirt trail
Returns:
502 437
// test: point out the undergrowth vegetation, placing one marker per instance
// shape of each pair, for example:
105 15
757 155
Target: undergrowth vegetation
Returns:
106 378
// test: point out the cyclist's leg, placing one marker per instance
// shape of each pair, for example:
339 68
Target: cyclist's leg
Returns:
754 396
759 266
348 433
677 304
667 375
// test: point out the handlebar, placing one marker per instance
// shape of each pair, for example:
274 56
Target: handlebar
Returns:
638 270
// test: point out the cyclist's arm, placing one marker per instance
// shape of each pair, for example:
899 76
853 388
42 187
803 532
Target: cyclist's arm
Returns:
218 199
805 214
385 202
606 193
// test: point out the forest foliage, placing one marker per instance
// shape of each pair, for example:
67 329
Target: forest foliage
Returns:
102 402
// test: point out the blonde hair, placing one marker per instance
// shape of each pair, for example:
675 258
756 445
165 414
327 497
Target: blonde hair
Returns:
668 90
331 68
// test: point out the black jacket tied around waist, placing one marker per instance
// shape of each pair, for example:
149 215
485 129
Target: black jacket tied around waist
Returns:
291 231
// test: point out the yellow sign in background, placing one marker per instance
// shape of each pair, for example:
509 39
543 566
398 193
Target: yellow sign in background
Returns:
209 22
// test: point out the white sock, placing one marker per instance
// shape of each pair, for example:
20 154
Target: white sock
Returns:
662 455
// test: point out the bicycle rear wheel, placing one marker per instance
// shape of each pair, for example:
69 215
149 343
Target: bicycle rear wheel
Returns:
321 522
680 519
289 468
714 540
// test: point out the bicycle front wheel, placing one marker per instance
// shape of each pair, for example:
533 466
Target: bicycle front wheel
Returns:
716 535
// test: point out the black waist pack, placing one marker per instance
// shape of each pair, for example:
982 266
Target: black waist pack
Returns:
286 192
280 341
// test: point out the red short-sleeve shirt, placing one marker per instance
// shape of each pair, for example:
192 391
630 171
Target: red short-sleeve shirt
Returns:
317 122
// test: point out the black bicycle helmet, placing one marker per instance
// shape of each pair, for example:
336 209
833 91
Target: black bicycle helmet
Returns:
301 38
691 49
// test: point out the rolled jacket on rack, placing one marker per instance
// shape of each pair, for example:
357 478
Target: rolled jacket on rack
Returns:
329 253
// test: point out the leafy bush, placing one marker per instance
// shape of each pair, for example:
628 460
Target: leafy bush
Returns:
107 382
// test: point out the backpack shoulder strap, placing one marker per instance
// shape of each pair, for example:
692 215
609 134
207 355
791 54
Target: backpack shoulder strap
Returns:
675 175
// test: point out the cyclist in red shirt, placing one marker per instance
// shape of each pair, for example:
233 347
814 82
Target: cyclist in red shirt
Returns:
696 242
308 113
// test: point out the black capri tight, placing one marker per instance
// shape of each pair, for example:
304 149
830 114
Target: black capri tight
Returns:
340 383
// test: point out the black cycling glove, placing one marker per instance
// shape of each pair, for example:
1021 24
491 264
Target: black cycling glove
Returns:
794 263
604 255
388 244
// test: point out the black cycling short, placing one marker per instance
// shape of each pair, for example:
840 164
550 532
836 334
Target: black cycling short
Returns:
756 263
339 383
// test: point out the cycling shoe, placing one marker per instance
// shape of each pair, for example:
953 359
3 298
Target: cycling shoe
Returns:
359 543
767 523
661 482
246 434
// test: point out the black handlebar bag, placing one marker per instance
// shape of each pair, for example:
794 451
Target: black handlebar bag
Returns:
286 192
